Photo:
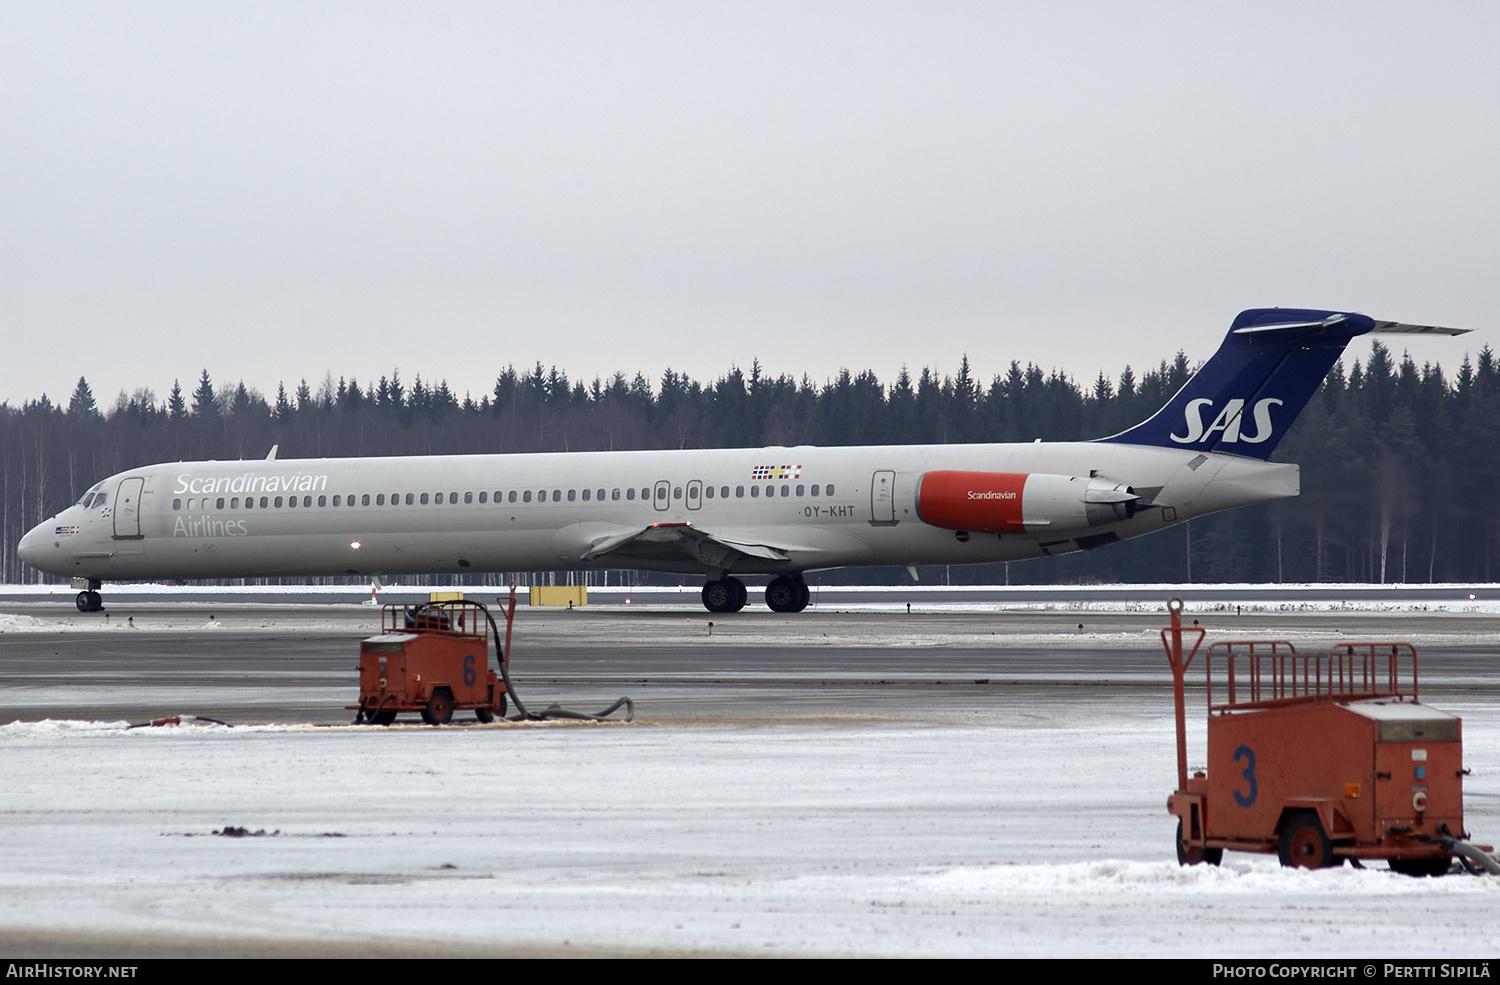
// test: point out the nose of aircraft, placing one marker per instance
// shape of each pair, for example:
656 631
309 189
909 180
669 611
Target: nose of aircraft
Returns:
32 546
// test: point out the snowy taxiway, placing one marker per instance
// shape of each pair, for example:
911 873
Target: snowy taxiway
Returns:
1033 824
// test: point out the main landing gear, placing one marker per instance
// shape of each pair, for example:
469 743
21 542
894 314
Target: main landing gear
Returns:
90 600
783 594
724 595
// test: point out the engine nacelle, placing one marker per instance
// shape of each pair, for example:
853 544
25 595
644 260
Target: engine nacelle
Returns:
1021 502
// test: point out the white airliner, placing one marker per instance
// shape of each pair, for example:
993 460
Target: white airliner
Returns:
723 513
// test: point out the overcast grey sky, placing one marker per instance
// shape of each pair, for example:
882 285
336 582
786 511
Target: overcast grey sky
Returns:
272 191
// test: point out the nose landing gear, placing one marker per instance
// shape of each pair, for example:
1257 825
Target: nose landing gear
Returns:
89 600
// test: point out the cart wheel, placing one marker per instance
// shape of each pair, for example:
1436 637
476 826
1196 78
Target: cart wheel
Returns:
1421 866
484 715
1304 844
439 708
1193 855
383 717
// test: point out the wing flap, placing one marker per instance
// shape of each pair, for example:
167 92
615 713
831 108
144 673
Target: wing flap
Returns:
681 541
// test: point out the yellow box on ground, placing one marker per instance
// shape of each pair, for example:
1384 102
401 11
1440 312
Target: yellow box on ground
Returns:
559 595
445 596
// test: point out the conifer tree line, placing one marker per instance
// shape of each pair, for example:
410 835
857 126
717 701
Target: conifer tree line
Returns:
1400 463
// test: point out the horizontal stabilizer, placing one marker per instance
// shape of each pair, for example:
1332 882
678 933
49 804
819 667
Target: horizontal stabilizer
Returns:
1399 328
1289 326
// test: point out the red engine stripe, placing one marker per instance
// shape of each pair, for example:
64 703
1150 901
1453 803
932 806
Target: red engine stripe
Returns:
987 502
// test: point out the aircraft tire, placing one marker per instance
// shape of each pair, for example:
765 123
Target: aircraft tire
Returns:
741 595
718 596
783 595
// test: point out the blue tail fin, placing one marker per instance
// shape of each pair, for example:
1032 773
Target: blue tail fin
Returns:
1245 398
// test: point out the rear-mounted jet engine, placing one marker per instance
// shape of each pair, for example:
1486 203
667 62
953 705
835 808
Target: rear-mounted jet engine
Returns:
1020 502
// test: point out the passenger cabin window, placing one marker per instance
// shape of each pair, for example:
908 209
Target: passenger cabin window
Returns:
176 504
629 494
557 495
614 494
469 497
572 495
739 492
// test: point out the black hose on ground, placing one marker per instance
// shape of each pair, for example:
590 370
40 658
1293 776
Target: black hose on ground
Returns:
553 711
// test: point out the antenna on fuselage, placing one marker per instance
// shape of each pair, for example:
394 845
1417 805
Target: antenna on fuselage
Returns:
271 455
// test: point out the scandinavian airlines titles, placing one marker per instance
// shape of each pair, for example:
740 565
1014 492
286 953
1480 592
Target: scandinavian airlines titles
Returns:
302 482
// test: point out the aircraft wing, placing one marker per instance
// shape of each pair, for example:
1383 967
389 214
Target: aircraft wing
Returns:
678 542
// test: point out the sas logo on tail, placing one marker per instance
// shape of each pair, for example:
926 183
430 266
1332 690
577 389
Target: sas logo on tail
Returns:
1228 422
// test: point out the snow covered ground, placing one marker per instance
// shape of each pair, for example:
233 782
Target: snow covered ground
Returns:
1036 833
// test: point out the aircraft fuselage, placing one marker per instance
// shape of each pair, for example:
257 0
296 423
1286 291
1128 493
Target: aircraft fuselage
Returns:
809 507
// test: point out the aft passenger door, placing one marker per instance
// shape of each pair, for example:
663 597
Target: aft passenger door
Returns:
663 498
883 499
128 507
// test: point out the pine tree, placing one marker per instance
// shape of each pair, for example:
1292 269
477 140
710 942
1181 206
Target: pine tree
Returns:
82 403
